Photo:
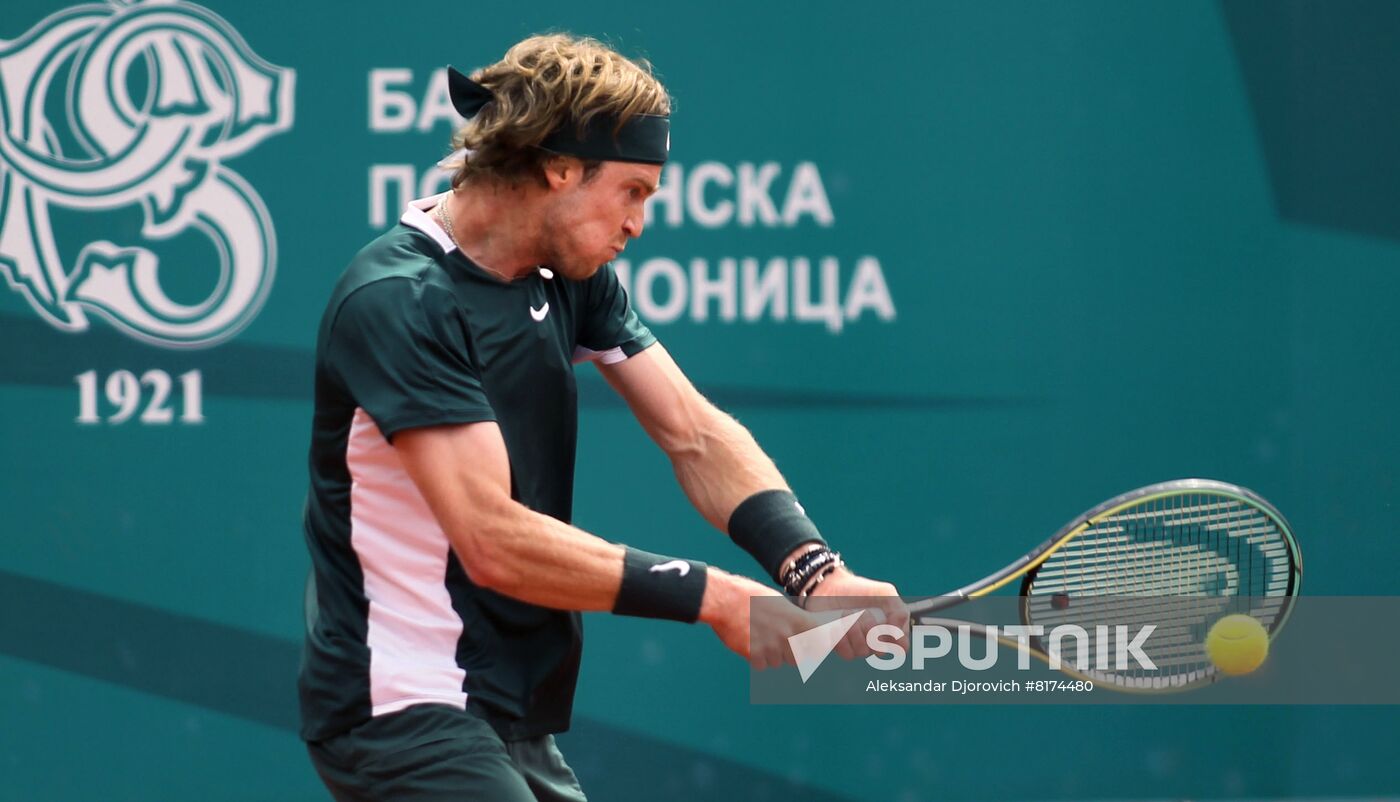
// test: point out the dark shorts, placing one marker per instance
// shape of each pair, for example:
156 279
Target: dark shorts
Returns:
436 753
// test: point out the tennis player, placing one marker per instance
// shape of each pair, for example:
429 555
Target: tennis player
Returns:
448 579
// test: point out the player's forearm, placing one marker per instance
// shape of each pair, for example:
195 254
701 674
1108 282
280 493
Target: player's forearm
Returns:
720 465
538 559
541 560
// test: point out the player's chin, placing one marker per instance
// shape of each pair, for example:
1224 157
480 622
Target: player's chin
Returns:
609 255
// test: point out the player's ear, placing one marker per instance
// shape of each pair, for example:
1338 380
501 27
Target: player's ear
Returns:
561 171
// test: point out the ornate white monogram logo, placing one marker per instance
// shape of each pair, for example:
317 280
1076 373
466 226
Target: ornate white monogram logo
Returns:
137 105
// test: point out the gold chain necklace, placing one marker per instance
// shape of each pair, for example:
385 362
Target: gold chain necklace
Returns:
446 220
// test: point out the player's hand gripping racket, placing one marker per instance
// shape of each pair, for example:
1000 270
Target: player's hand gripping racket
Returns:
1212 547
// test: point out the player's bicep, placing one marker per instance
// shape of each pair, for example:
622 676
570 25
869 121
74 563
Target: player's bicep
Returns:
463 472
665 402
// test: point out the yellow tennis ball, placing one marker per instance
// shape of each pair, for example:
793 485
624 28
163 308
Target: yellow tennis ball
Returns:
1237 644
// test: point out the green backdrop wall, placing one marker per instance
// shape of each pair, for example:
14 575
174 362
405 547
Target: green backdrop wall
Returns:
965 269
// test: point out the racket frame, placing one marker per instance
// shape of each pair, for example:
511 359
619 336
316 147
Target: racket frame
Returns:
1026 566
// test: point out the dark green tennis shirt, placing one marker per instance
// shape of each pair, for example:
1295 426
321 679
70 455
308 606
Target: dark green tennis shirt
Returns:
415 335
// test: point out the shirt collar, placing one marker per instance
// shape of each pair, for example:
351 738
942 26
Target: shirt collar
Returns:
418 216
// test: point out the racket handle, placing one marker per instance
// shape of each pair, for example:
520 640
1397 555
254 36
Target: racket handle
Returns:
936 603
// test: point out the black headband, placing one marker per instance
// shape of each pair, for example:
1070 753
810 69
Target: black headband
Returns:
646 138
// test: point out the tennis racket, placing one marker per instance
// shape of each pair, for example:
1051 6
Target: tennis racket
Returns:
1178 554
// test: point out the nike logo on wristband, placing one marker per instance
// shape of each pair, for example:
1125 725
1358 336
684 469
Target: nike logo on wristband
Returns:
681 567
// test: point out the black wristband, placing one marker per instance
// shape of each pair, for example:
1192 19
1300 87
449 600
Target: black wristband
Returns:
660 587
769 525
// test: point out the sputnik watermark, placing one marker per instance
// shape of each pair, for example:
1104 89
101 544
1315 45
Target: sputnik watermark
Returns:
1113 647
1136 650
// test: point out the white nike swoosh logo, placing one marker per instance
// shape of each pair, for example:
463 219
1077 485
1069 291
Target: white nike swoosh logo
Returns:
538 314
679 566
812 647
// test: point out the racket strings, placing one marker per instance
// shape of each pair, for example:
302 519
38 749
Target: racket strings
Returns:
1178 562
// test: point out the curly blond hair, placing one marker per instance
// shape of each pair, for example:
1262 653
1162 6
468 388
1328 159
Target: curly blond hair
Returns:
542 84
